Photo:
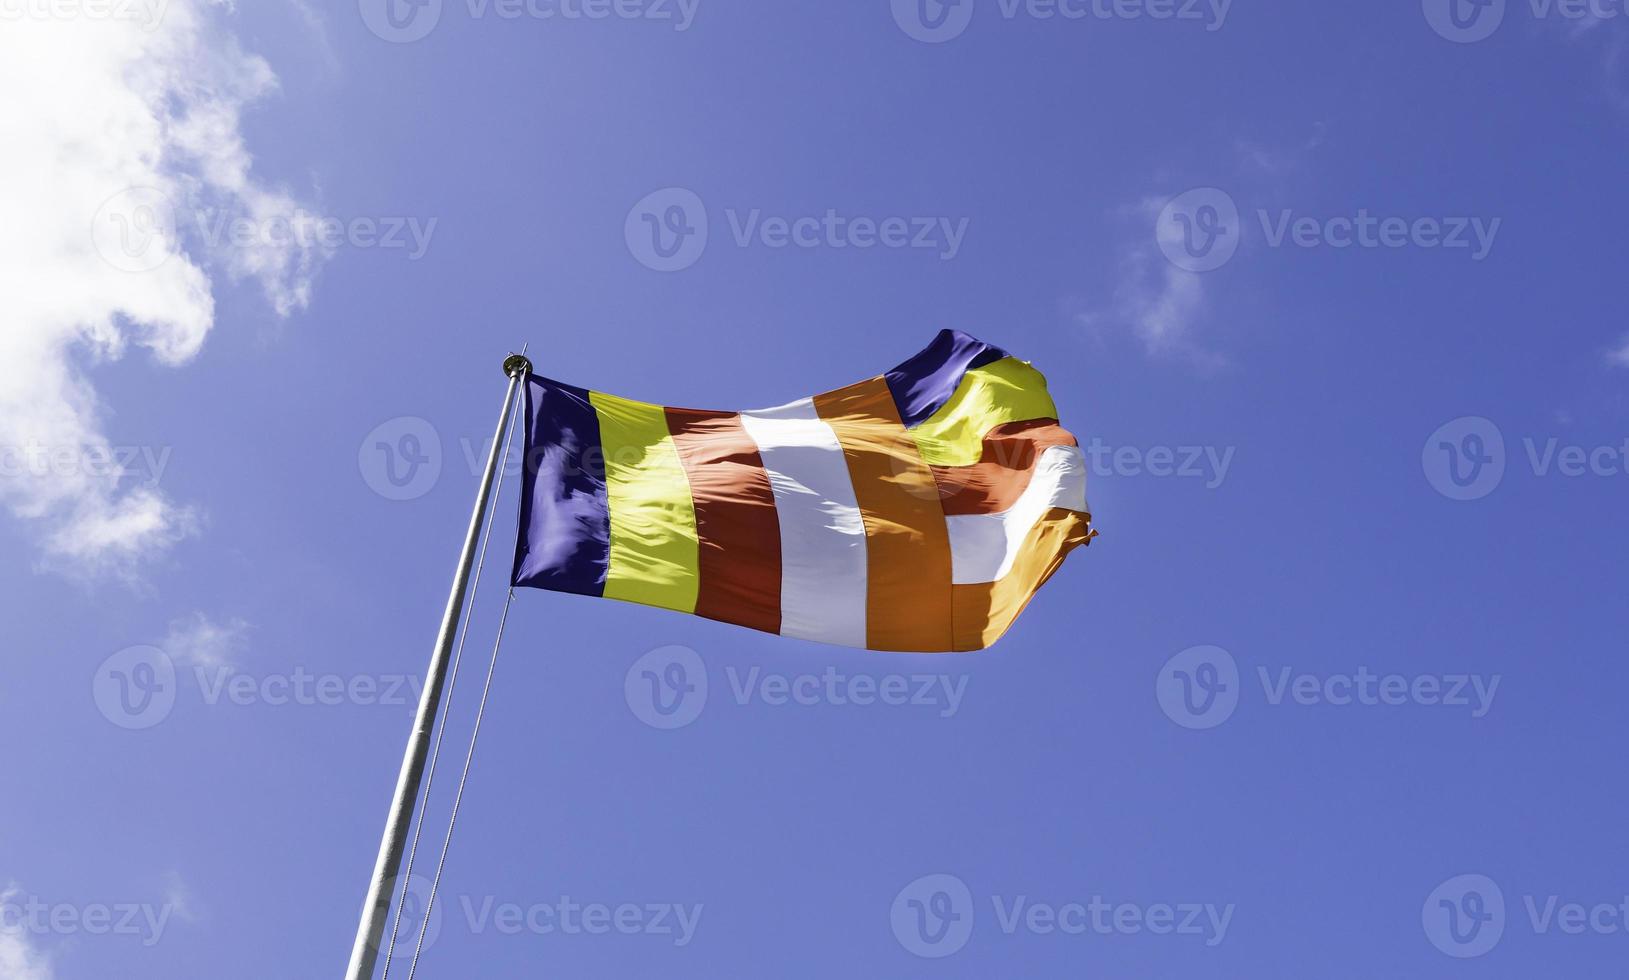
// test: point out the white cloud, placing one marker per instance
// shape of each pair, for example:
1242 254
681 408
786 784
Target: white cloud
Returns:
178 897
1585 28
315 24
1275 159
19 960
199 640
1165 304
1161 304
1613 64
1619 356
1163 316
121 127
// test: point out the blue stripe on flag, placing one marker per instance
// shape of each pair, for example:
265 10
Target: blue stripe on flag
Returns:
564 542
923 384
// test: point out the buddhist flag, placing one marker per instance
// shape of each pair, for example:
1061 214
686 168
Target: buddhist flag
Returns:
918 510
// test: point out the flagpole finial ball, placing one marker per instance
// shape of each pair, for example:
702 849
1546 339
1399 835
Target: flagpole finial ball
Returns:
516 364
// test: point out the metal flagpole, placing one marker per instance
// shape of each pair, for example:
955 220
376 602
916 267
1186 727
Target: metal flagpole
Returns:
376 909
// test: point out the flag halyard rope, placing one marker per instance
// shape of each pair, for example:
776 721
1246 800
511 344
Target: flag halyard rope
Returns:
463 779
441 732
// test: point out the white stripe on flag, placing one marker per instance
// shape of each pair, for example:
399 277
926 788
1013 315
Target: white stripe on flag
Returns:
984 546
823 579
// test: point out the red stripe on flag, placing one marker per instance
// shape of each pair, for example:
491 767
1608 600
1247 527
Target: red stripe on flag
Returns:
739 558
998 479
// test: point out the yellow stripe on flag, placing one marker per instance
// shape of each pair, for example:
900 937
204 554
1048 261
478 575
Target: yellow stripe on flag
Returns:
1009 390
653 518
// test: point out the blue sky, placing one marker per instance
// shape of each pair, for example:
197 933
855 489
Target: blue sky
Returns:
1338 690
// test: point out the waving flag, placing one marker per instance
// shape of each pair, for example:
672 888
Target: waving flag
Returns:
918 510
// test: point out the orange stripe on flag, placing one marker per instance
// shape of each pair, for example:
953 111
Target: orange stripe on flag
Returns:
984 611
907 545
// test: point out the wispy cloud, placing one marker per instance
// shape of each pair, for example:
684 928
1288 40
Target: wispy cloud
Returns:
1619 355
1589 27
1165 302
315 24
119 125
1160 304
1587 22
199 640
1276 159
1615 71
178 897
1163 314
19 959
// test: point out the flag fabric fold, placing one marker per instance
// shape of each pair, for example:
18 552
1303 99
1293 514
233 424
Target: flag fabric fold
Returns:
919 510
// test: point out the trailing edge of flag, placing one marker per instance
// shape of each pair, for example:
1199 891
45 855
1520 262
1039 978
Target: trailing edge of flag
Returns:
919 510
